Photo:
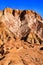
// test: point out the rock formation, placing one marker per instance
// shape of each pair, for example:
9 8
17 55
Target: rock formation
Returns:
21 37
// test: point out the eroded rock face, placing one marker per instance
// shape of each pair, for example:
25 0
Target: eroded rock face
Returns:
21 53
21 22
21 37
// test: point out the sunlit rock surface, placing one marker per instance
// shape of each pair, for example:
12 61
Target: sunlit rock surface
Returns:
21 37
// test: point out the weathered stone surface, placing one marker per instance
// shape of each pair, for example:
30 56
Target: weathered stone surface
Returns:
8 10
1 13
26 20
21 37
22 53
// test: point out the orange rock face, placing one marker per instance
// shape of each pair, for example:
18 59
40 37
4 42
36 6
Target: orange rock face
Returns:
21 37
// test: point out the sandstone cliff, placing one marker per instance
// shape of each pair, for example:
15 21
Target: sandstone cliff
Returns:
21 37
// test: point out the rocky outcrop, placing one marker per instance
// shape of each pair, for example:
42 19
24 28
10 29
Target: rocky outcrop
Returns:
25 21
21 37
